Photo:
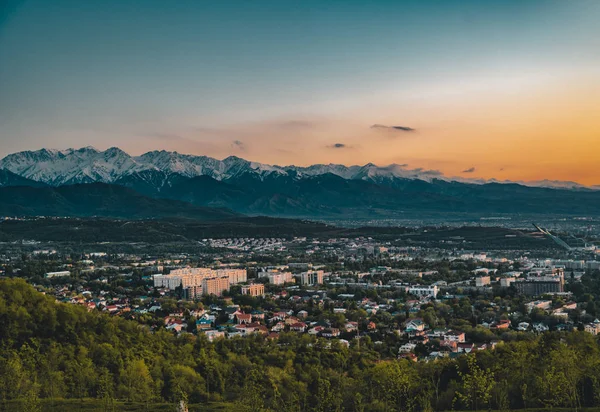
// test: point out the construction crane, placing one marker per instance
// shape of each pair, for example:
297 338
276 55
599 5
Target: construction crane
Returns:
556 239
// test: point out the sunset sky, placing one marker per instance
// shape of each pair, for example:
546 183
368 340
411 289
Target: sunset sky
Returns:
506 89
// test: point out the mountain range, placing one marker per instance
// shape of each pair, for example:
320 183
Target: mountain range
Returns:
88 165
86 181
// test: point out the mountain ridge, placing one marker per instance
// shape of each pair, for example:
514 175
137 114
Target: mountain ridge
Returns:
89 165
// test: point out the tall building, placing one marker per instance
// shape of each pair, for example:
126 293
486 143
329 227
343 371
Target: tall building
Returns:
192 292
215 286
312 277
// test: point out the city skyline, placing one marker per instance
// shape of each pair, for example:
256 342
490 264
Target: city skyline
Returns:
506 90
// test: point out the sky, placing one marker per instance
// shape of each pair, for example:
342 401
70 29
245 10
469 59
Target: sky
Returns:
505 89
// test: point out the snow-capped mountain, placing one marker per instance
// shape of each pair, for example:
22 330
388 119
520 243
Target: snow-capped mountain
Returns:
86 165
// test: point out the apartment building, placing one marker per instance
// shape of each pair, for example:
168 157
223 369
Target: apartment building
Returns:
423 291
312 277
539 285
189 277
192 292
255 289
279 278
215 286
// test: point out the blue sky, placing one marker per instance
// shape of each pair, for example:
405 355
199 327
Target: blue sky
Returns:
287 79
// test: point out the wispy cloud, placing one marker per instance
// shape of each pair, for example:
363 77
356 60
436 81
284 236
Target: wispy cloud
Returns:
339 146
238 144
425 172
469 170
393 128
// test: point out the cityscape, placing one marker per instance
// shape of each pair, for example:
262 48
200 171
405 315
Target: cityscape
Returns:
423 301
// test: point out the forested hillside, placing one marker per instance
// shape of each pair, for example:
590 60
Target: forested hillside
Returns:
55 350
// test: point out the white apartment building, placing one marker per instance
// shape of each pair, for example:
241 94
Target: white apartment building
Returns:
279 278
423 291
50 275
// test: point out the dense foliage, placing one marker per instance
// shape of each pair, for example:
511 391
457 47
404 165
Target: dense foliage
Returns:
54 350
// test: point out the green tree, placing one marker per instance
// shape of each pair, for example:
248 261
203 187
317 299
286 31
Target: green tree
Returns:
136 382
477 385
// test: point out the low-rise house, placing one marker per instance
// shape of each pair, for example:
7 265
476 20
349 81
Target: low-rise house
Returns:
258 315
415 325
316 330
243 318
454 336
438 333
214 334
420 339
277 316
502 324
233 312
452 346
196 313
560 313
465 347
593 328
291 320
538 304
407 348
298 327
351 326
330 333
203 324
176 326
279 326
409 356
570 306
111 308
255 327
